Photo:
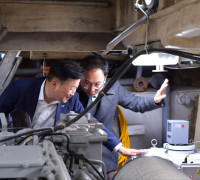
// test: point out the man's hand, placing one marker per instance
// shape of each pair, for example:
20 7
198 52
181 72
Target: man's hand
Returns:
130 152
160 94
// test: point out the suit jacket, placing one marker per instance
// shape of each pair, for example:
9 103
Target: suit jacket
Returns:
106 111
23 95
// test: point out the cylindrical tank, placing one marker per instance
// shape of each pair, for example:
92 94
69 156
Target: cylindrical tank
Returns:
150 168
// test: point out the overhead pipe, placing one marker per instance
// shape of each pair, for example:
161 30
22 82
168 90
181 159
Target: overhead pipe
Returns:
28 71
165 114
125 33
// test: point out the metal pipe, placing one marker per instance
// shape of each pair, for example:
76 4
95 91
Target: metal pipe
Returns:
28 71
165 115
155 81
3 122
126 82
139 71
98 162
8 66
3 32
124 34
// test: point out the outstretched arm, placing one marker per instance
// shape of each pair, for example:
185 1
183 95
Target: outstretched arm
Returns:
161 93
130 152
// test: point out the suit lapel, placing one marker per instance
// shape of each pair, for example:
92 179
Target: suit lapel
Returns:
105 104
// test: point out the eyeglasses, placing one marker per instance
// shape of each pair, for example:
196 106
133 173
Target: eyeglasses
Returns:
87 85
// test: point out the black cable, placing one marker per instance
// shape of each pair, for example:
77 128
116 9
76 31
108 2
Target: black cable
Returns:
177 53
13 128
79 156
22 134
116 76
22 139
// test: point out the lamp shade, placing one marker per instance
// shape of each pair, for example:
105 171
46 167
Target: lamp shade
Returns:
154 59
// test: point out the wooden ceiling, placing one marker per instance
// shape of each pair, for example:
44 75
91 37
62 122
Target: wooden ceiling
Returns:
76 28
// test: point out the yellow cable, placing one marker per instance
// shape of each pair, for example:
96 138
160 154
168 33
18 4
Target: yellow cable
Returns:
124 138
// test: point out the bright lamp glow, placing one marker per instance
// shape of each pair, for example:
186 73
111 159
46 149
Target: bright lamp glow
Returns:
148 2
2 55
156 59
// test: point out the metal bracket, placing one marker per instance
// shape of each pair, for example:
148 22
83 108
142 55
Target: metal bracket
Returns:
125 33
138 6
44 65
3 122
8 67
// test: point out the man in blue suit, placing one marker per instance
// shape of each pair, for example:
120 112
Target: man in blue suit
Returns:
42 98
45 98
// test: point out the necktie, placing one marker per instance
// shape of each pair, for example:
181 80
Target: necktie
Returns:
92 111
89 101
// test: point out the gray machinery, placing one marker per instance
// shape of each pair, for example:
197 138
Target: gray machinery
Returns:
150 168
73 153
159 163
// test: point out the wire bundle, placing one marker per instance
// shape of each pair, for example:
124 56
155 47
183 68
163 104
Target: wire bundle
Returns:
124 137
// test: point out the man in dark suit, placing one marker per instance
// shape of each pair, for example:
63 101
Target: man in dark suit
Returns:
44 99
96 71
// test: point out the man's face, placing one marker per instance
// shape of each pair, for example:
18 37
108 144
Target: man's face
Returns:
93 81
65 90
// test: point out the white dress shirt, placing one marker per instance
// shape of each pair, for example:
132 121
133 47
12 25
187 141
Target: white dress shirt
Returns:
45 113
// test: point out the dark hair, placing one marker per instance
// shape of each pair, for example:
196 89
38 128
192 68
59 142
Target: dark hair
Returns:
64 69
93 62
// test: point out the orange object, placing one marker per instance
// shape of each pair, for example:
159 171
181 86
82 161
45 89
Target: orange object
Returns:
47 69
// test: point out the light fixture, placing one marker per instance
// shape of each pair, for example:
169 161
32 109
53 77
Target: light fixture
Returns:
2 55
157 59
150 4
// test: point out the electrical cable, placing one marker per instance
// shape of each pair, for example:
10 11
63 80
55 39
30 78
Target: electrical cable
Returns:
22 139
116 76
22 134
79 156
88 161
